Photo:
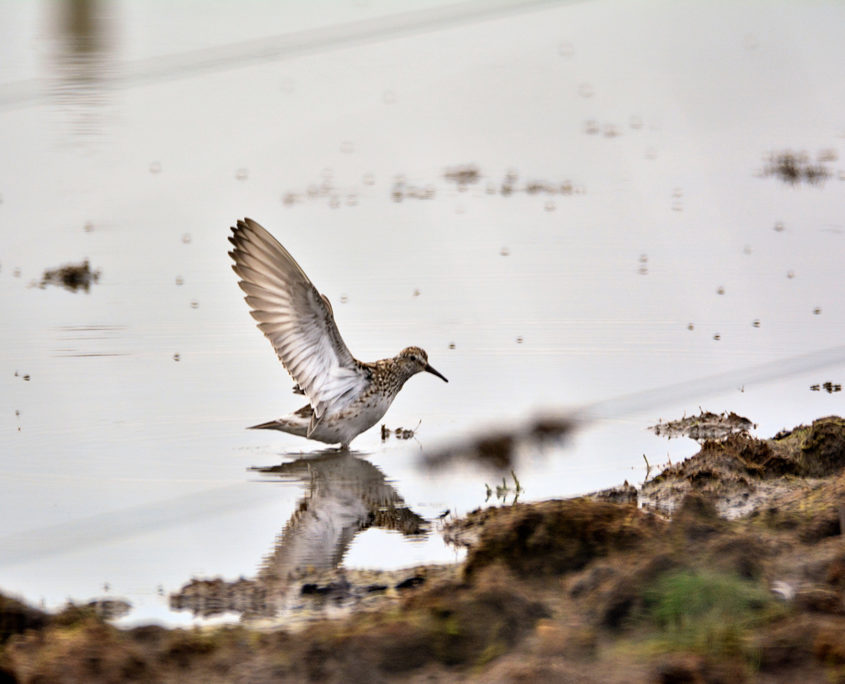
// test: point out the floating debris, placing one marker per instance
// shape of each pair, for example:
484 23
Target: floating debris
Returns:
195 304
176 357
706 425
179 281
451 345
796 167
828 387
720 290
463 175
24 377
72 277
817 310
690 326
756 323
504 251
399 433
611 131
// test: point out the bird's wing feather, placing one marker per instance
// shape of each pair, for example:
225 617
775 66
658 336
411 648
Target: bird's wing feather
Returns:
293 315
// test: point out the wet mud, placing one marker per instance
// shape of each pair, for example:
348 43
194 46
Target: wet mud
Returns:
72 277
670 582
799 167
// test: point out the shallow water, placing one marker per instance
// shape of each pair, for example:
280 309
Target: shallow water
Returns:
651 251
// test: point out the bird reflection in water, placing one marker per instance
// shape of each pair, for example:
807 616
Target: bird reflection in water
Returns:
345 495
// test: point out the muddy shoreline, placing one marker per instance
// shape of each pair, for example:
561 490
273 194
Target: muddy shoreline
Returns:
727 567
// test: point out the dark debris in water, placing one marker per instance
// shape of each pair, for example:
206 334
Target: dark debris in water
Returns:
798 167
706 425
399 433
73 277
461 176
828 387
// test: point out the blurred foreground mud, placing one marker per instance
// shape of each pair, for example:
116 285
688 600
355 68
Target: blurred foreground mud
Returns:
728 567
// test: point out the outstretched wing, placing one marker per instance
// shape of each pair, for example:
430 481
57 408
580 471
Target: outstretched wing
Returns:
296 318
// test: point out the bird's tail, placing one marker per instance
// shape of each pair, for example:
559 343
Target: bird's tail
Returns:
293 425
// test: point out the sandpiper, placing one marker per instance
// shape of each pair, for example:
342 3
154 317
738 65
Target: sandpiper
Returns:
345 396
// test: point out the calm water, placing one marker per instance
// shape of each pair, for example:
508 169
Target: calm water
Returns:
622 236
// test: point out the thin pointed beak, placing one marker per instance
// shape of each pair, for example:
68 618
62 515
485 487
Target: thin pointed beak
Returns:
429 369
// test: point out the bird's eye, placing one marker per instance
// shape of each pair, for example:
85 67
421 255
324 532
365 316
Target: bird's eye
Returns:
414 357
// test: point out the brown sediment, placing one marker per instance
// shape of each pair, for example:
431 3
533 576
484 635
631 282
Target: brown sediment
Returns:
72 277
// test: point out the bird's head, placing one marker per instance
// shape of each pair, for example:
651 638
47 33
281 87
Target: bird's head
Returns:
414 360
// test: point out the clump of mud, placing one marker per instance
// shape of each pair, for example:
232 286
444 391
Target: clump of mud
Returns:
744 473
72 277
706 425
798 167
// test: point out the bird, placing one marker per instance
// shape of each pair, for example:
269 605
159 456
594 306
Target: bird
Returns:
345 396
